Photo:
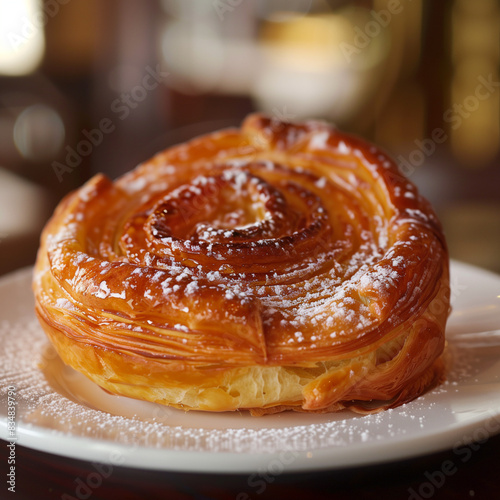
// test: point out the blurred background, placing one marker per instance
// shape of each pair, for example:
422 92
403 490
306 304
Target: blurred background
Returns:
92 86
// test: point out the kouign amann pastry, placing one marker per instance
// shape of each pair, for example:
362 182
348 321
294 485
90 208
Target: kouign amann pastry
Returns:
273 267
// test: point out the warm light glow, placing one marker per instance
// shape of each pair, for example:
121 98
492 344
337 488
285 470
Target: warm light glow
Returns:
474 114
393 128
321 65
475 127
22 41
310 43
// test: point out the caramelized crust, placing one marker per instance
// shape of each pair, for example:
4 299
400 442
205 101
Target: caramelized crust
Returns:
273 267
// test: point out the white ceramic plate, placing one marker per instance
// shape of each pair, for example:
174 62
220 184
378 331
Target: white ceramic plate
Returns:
60 411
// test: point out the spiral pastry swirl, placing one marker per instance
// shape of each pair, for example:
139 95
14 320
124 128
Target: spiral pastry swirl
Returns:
277 266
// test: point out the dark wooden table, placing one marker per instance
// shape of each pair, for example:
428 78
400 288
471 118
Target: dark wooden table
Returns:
474 474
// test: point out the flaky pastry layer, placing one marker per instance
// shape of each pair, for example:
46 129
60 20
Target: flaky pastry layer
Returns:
277 266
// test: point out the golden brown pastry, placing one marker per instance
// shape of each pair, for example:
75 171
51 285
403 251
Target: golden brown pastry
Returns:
277 266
